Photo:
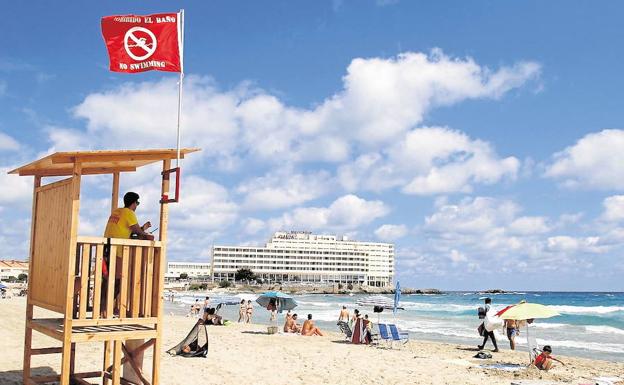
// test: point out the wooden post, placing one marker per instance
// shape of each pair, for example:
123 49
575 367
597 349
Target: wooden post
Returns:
115 192
29 306
162 266
71 271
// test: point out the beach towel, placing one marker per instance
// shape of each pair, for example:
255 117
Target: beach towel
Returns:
195 344
358 335
505 367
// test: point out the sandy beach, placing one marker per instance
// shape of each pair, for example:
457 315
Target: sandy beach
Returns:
246 354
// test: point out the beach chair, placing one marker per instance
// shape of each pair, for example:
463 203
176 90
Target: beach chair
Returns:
344 328
402 337
383 335
534 349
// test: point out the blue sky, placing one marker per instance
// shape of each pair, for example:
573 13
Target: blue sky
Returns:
484 139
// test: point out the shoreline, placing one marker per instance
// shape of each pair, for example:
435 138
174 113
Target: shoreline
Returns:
293 359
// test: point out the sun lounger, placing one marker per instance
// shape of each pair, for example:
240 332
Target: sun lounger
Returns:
344 328
383 334
398 336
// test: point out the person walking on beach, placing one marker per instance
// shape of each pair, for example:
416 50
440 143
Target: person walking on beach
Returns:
512 328
249 311
344 315
488 333
242 311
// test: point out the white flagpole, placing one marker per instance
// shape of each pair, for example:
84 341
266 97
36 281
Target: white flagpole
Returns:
181 46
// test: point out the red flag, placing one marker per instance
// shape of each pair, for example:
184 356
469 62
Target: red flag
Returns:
143 43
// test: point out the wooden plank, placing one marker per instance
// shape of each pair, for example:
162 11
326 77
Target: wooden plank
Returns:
46 351
44 379
45 330
54 185
88 374
97 281
137 350
106 362
115 192
118 241
54 308
137 261
118 156
149 279
116 362
137 370
79 381
116 321
51 246
66 361
123 294
29 305
164 221
64 171
104 336
85 251
110 287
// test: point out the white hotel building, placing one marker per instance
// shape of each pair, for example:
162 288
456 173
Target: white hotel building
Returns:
306 257
192 269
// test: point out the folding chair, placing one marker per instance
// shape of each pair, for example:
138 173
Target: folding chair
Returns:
383 335
398 336
344 328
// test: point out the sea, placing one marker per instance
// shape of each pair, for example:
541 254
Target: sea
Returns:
590 324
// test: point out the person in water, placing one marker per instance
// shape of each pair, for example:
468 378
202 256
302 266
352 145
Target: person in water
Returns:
545 360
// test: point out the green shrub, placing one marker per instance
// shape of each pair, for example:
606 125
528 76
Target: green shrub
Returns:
224 284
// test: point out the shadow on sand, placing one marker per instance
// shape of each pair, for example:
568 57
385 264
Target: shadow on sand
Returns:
14 377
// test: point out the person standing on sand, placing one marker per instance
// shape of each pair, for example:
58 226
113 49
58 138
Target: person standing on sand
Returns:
242 311
488 333
249 311
512 328
344 315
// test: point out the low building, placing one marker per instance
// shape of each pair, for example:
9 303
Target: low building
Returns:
12 268
306 257
191 269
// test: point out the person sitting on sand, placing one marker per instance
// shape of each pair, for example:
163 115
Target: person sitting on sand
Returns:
344 315
545 361
242 311
211 318
249 311
308 328
291 324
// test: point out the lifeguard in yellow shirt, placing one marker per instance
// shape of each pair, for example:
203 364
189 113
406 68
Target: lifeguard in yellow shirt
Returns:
122 223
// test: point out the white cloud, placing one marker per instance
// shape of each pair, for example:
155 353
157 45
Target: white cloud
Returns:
252 226
381 99
391 232
569 244
427 161
6 142
281 189
613 208
15 189
345 213
529 225
593 162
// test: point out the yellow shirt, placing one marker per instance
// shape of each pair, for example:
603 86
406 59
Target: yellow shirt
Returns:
119 223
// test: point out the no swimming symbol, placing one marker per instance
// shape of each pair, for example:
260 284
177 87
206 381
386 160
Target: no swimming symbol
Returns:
140 43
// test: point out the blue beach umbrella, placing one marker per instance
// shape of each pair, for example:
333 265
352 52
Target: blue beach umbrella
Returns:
397 297
283 301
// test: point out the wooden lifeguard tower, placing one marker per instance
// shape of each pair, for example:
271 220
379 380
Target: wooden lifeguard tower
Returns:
65 270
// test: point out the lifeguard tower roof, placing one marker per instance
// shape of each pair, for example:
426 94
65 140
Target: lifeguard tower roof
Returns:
98 162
